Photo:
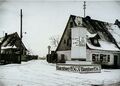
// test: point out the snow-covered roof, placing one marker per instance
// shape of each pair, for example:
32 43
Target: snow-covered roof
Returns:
10 40
104 46
115 31
8 47
89 35
107 32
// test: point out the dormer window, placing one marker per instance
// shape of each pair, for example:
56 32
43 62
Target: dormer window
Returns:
95 42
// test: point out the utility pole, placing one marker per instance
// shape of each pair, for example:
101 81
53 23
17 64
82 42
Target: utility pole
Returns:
21 24
84 8
21 34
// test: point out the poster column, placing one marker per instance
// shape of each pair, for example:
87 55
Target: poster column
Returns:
78 49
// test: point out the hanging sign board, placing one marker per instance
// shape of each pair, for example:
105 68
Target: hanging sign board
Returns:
93 68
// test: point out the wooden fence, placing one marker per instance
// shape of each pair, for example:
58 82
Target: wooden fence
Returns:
9 58
15 58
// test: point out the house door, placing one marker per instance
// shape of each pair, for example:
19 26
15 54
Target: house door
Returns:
115 59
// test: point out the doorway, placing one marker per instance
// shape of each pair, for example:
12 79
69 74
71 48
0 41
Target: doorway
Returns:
115 60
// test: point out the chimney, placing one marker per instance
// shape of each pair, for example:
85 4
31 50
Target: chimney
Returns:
5 34
116 21
88 17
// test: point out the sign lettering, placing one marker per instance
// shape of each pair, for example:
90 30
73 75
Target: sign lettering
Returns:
79 68
80 41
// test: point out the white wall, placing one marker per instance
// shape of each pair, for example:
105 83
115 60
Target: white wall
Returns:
111 53
67 54
78 49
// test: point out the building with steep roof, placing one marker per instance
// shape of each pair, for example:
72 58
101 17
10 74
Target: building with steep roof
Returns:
11 47
90 40
12 42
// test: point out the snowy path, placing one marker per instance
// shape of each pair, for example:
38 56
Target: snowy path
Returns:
41 73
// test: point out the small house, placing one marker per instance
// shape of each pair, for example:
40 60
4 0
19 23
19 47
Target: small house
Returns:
12 47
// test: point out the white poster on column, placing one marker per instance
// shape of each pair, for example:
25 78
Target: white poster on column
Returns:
78 49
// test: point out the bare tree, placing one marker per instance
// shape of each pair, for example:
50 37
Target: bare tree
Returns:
30 51
55 40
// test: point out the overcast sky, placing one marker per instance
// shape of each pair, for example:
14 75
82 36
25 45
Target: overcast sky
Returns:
43 19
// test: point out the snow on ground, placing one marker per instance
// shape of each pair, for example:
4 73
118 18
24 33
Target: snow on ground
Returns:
41 73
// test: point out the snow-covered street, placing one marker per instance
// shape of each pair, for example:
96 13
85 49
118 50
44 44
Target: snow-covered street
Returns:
41 73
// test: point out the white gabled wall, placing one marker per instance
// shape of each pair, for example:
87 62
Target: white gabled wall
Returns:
78 49
66 53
